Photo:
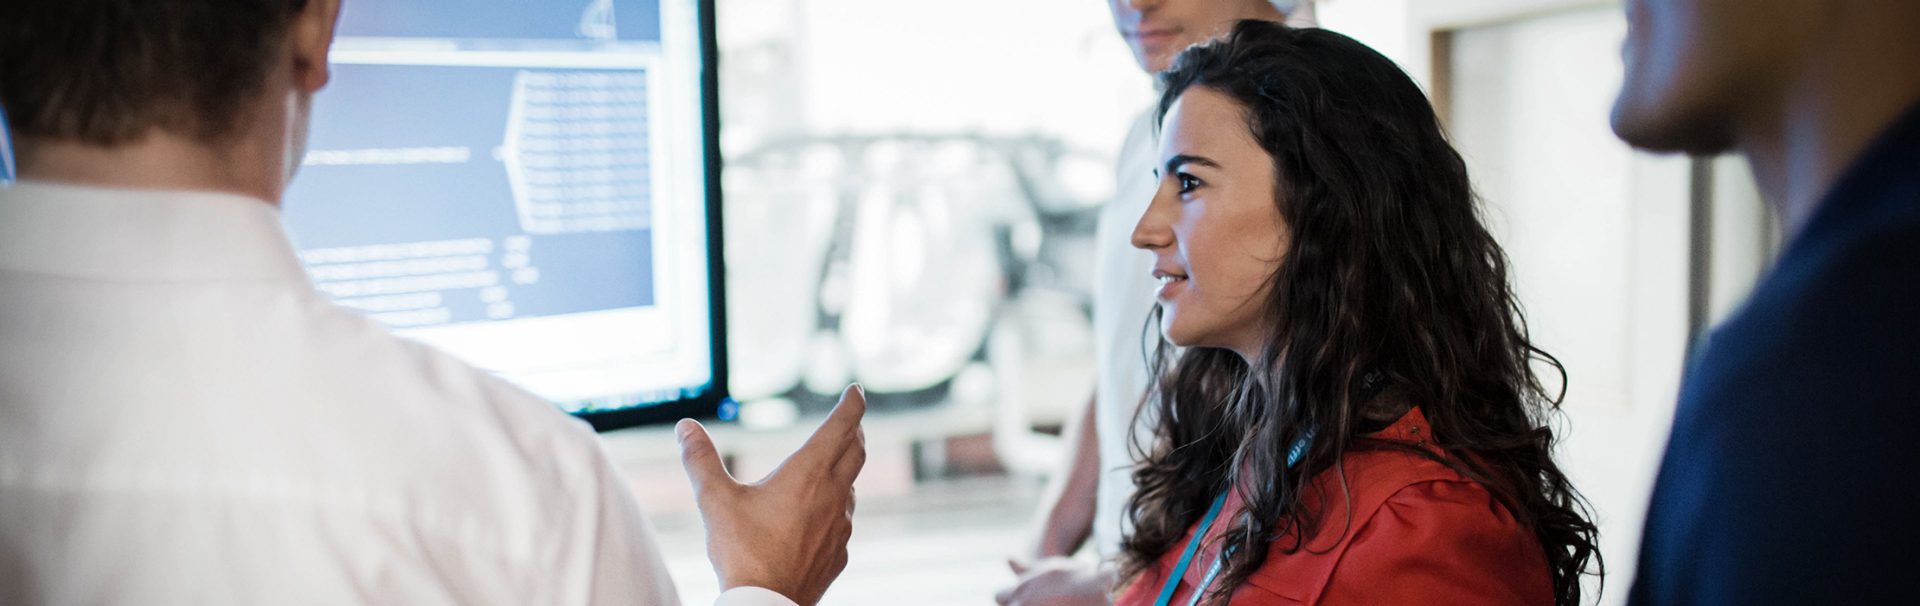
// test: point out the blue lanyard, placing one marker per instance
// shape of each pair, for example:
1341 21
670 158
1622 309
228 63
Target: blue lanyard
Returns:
1294 453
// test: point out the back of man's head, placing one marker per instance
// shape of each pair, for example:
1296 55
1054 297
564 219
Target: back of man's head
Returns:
107 72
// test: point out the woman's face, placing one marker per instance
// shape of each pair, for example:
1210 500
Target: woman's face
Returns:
1214 226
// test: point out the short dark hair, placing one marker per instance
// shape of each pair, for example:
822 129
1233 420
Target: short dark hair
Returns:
109 71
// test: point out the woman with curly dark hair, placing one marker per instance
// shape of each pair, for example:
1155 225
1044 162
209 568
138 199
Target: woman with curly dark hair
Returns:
1345 398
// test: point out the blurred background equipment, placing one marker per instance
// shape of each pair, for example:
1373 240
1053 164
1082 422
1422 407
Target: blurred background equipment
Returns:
934 270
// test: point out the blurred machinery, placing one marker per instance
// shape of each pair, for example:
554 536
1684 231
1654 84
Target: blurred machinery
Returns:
936 270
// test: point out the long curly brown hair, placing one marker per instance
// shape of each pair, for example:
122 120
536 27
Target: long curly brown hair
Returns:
1391 275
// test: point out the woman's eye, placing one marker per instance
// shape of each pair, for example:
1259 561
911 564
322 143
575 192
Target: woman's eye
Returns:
1187 182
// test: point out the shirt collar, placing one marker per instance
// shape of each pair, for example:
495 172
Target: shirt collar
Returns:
1411 428
1877 186
142 235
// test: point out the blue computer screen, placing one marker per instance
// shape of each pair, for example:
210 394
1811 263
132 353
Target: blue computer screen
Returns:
505 20
523 184
6 148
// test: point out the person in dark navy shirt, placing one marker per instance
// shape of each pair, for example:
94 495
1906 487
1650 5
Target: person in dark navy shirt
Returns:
1789 478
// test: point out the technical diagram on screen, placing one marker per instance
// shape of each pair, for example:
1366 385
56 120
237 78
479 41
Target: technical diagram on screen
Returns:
528 185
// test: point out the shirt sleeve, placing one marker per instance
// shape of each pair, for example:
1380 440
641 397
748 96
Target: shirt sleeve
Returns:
612 544
1441 542
752 596
625 562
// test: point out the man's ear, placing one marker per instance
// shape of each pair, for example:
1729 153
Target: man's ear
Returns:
310 38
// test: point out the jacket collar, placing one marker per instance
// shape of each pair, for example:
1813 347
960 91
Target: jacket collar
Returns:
1411 428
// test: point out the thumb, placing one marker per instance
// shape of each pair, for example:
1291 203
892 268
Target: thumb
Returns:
701 459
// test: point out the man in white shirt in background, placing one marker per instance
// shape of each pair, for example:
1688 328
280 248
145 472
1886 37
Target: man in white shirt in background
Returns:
185 420
1087 498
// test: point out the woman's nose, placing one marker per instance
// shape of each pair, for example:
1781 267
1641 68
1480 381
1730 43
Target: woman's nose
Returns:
1154 230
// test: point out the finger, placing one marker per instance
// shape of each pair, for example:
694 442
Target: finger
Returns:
699 457
853 458
1019 566
830 440
842 555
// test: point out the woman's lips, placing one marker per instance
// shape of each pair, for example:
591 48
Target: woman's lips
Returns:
1155 37
1170 285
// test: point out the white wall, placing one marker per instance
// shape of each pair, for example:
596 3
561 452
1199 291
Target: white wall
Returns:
1006 67
1598 235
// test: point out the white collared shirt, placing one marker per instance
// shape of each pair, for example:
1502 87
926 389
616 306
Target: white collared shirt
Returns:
184 420
1123 299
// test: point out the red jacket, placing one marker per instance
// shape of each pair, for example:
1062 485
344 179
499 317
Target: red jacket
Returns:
1420 533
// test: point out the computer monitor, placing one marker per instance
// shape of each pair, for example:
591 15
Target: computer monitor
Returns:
530 185
6 148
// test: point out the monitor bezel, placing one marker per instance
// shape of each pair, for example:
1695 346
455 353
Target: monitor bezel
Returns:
714 403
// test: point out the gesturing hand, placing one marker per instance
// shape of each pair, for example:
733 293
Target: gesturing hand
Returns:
787 532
